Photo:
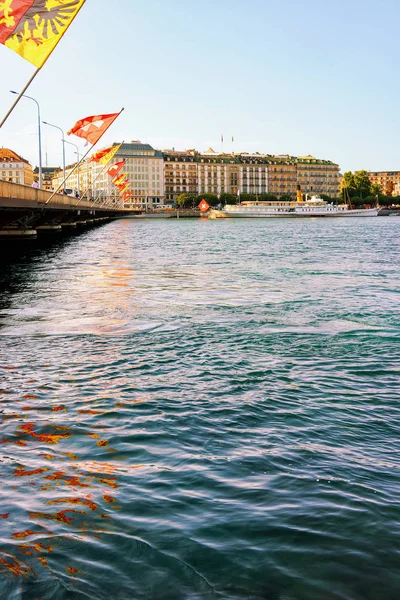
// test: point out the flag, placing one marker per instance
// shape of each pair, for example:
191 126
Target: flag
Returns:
121 185
104 156
119 179
92 128
115 169
222 137
203 206
233 139
33 28
123 189
110 155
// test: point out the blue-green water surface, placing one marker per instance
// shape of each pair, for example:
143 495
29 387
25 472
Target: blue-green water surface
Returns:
201 409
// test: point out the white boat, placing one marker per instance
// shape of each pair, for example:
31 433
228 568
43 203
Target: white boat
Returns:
313 207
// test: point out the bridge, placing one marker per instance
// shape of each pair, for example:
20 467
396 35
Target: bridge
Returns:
27 212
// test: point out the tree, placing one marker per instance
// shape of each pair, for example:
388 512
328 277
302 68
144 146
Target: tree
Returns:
389 188
268 198
212 199
186 200
375 189
286 198
245 197
348 185
226 198
362 184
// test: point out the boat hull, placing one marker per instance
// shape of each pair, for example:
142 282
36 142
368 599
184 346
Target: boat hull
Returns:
248 214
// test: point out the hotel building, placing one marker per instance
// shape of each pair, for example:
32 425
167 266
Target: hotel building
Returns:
210 172
144 167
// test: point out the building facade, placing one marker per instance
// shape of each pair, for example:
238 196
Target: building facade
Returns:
213 173
47 176
144 168
388 181
14 168
317 176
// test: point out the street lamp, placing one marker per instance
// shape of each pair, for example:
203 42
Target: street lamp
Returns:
39 134
77 154
63 143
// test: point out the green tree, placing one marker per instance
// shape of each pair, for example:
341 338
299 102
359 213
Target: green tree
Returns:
245 197
226 198
268 198
375 189
286 198
362 184
212 199
348 185
186 200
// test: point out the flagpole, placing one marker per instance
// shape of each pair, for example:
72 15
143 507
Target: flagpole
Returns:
82 159
93 181
39 68
19 97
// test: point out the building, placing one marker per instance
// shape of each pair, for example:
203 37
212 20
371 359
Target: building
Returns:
317 176
47 176
14 168
78 180
282 176
180 174
144 167
388 181
213 173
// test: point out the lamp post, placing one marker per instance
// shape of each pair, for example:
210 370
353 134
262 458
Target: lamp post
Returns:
78 173
39 134
63 143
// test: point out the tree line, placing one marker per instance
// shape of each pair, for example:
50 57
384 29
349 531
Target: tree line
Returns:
358 190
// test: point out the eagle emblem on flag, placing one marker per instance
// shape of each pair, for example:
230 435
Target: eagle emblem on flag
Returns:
32 28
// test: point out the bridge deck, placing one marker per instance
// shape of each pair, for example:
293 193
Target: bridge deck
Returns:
13 195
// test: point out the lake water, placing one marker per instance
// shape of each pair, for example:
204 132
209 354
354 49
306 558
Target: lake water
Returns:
201 409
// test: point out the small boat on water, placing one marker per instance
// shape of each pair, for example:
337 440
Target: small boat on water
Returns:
313 207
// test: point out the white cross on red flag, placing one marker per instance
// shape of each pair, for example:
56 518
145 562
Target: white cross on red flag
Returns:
92 128
203 206
115 169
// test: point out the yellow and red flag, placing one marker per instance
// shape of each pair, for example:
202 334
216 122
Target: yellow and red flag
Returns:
115 169
119 179
97 156
123 183
203 206
33 28
92 128
123 189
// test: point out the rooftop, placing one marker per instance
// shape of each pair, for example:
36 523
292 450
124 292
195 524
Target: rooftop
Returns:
8 155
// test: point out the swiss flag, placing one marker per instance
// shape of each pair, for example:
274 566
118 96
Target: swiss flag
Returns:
92 128
112 171
203 206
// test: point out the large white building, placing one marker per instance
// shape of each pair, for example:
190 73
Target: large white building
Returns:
144 168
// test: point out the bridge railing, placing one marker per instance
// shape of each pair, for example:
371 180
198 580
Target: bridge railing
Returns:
15 191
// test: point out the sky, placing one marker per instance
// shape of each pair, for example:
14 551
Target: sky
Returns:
291 77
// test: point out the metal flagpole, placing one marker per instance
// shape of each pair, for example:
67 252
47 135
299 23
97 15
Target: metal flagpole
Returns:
19 98
92 181
82 159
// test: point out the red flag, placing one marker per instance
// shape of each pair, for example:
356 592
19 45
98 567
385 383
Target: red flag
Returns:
203 206
122 184
100 154
92 128
115 169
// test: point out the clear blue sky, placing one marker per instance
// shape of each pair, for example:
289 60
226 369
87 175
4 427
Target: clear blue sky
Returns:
290 77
